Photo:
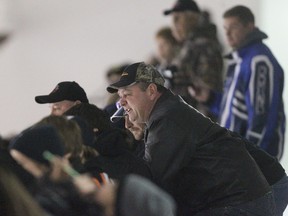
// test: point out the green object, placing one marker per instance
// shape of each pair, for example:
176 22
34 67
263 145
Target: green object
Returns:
68 169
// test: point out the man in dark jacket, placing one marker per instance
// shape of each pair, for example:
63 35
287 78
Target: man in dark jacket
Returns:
205 168
270 167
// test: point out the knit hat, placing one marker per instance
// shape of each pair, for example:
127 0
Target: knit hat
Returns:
137 72
34 141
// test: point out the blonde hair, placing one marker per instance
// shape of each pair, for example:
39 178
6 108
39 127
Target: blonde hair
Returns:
71 136
166 33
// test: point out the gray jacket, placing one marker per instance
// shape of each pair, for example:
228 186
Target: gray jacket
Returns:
138 196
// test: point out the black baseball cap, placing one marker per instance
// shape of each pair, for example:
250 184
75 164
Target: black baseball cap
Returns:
137 72
67 90
183 5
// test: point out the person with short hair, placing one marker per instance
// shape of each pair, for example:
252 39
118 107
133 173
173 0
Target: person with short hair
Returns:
205 168
252 104
167 49
65 95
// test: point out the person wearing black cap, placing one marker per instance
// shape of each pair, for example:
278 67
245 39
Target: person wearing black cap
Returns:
186 14
189 22
65 95
202 82
206 169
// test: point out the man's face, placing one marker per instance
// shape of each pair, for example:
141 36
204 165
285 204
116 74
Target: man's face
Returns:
136 102
58 108
137 129
183 23
236 31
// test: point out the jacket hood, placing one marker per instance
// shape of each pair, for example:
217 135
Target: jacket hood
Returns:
254 36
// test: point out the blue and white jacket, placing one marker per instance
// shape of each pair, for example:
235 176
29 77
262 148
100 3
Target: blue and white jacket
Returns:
252 103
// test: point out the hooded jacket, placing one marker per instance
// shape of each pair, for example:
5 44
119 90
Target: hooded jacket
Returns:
252 103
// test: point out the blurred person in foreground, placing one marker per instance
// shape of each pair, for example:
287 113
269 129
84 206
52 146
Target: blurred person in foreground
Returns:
129 196
14 198
53 191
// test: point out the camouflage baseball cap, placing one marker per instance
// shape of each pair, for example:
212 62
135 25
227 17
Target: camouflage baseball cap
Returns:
137 72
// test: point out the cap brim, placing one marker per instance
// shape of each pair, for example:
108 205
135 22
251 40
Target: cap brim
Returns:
113 88
42 99
168 12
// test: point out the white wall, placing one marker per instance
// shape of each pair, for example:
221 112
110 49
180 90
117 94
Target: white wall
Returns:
79 40
276 26
58 40
54 40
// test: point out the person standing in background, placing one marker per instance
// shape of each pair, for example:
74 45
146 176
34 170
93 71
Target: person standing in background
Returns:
202 82
167 50
252 104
